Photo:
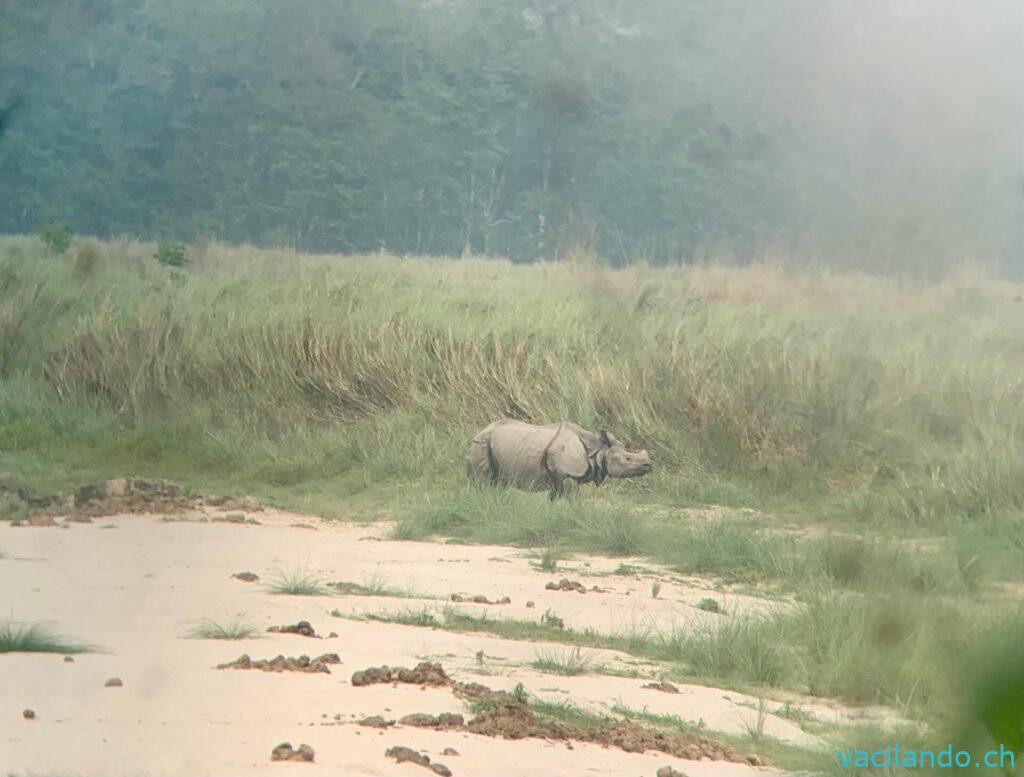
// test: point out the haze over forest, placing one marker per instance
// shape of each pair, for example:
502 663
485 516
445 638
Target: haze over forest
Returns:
882 134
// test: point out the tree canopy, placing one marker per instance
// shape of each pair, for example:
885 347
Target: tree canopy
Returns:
849 132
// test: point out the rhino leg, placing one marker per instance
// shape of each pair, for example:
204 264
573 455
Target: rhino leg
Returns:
479 463
563 487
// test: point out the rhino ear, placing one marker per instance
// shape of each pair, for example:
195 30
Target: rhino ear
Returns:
567 456
608 439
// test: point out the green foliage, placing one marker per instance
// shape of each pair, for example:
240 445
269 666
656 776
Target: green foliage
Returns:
35 638
298 582
171 253
56 235
708 605
502 128
209 628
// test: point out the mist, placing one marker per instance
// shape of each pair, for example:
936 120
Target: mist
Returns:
877 135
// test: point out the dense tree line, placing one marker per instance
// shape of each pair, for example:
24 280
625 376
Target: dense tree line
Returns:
655 128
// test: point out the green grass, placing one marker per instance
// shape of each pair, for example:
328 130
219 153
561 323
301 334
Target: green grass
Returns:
36 638
298 582
323 383
905 651
568 662
208 628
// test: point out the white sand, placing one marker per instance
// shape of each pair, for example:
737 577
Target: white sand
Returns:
135 589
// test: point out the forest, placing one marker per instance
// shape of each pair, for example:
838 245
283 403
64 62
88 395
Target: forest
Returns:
872 135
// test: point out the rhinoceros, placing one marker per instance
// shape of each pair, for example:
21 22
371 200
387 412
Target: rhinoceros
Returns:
556 458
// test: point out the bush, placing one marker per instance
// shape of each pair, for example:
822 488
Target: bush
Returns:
56 235
87 261
171 253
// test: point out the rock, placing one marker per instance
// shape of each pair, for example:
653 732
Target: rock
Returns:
285 752
28 714
90 492
113 682
565 584
423 720
246 577
376 721
69 660
302 628
441 769
664 686
668 771
402 754
530 605
332 635
449 751
282 664
425 673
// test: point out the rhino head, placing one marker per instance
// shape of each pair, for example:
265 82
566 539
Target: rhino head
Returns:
615 461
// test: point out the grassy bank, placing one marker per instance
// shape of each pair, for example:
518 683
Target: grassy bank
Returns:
315 380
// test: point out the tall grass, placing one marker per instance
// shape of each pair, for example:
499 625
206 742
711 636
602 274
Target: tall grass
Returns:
873 400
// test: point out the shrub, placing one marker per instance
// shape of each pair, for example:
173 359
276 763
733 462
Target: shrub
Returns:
87 261
56 235
170 253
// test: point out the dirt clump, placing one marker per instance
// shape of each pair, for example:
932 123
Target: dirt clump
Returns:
423 720
303 663
500 714
28 714
35 520
285 752
302 628
479 599
113 682
234 518
425 673
376 721
664 686
402 754
69 659
565 584
246 577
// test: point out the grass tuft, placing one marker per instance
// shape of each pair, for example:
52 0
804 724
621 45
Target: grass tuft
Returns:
298 582
208 628
36 638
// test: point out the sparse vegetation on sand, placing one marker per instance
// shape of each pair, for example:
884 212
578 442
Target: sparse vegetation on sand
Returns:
567 661
36 638
298 581
209 628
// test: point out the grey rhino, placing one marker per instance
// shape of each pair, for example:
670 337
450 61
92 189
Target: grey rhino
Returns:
556 458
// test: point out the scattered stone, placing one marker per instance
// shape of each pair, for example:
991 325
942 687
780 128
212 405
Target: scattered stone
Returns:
402 754
374 721
28 714
668 771
246 577
285 752
69 659
530 605
664 686
332 635
449 751
439 768
282 664
113 682
302 628
425 673
479 599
